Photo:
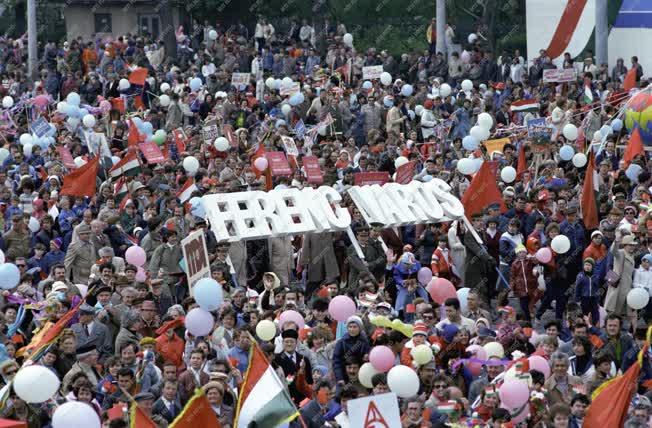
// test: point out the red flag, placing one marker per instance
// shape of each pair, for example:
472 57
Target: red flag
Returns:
482 192
197 413
180 139
138 76
611 400
134 135
118 104
139 419
138 102
634 147
630 79
589 205
521 166
82 181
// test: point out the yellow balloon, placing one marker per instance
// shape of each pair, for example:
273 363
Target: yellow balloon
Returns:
266 330
422 354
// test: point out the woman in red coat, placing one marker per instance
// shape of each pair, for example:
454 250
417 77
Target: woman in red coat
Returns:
523 280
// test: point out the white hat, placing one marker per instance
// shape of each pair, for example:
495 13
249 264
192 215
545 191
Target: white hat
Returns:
59 286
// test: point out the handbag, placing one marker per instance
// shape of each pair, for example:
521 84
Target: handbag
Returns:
612 277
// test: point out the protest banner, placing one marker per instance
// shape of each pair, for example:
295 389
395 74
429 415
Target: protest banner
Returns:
238 79
372 72
210 133
97 144
368 178
66 157
374 411
290 89
152 152
405 172
312 170
290 146
196 256
40 127
559 76
541 133
278 163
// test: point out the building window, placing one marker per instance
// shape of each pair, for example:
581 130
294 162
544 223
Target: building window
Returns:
103 23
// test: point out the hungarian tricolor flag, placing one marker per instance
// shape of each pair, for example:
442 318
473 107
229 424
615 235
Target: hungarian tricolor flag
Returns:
129 166
634 147
610 402
197 413
138 418
524 106
120 189
589 204
482 192
264 399
125 200
82 181
188 188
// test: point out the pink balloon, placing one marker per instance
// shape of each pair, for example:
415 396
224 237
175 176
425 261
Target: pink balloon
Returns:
199 322
441 289
41 100
382 358
514 393
105 106
341 308
539 363
465 57
478 352
424 276
135 255
261 164
141 275
293 316
544 255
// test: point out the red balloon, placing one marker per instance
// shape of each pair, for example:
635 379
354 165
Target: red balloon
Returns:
441 289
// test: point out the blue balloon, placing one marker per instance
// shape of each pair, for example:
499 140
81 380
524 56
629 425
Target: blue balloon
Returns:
52 132
73 98
82 112
566 152
195 84
208 294
470 143
297 99
617 125
407 90
388 101
9 276
426 178
197 207
367 85
633 171
138 122
72 110
148 128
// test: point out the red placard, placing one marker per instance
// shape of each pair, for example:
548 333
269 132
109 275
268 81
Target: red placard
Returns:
313 172
66 157
369 178
278 163
180 139
405 173
152 152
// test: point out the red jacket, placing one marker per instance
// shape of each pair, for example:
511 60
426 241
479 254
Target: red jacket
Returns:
171 349
522 281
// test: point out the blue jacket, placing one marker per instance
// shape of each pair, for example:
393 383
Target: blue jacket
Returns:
587 286
575 233
50 259
347 346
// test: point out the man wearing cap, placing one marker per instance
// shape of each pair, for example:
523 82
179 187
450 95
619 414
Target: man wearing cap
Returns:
107 256
572 228
17 240
80 256
148 314
479 263
166 258
89 331
86 361
294 365
374 261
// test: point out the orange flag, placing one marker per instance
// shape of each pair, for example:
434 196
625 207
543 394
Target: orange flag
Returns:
197 413
589 205
521 166
611 400
630 79
634 147
138 76
139 419
482 192
82 181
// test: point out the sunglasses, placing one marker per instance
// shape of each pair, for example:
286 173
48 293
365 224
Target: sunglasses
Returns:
20 265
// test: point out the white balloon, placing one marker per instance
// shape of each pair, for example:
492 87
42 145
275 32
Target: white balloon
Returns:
485 121
124 84
597 135
36 384
445 90
115 159
472 38
401 160
270 83
348 39
479 133
79 161
165 86
403 381
465 166
164 100
2 257
560 244
75 414
221 144
7 102
606 130
467 85
286 82
366 372
286 109
418 110
191 164
34 225
4 154
212 35
386 78
26 139
508 174
73 98
570 132
638 298
89 121
62 106
27 150
579 160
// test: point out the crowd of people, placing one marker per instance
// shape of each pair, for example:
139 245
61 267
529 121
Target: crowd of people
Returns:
517 296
